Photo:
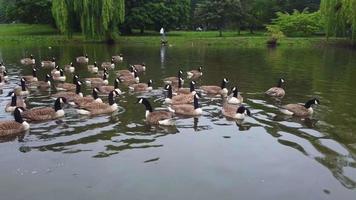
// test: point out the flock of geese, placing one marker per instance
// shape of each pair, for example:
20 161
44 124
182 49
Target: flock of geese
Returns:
180 100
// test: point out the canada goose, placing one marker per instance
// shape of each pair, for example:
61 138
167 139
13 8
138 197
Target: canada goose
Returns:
4 75
9 128
46 113
33 78
195 73
188 109
156 117
118 58
96 108
82 101
101 73
44 85
109 65
140 67
15 102
2 67
68 86
277 91
106 89
93 68
97 81
28 61
300 110
82 59
216 90
69 68
49 63
22 90
234 111
179 99
182 90
55 71
236 98
126 72
174 79
70 96
141 87
60 77
129 80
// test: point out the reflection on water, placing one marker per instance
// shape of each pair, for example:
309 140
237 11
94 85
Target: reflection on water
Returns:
327 138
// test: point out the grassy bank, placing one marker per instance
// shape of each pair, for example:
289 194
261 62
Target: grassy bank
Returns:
11 34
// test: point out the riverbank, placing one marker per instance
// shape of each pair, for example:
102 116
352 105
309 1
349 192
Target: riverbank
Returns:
12 34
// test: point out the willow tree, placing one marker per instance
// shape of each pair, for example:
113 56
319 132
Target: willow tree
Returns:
98 19
340 17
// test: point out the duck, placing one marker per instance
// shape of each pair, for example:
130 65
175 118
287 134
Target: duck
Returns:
188 109
164 118
97 81
142 87
82 101
93 68
2 67
129 80
300 110
140 67
96 108
195 73
70 96
126 72
174 79
216 90
46 84
14 127
15 102
277 91
4 75
60 77
234 111
189 90
70 68
49 63
83 59
28 61
179 99
22 90
106 89
46 113
55 71
118 58
235 98
31 78
109 65
68 86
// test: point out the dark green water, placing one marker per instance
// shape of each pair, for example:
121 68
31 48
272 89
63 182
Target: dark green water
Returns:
268 156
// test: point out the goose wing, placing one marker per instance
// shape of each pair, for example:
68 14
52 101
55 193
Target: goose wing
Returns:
8 128
39 114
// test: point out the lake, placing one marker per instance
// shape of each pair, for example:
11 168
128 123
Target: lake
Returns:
267 156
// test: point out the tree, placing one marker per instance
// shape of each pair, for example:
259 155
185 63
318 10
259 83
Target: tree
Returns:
340 18
97 19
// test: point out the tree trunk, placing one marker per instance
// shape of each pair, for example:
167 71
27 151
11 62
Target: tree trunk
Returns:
142 30
220 32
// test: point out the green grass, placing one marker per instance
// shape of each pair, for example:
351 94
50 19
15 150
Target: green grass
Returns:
45 35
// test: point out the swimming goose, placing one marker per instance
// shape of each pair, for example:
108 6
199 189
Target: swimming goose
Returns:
140 67
188 109
179 99
93 68
82 101
156 117
109 65
69 68
300 110
236 98
33 78
106 89
195 73
70 96
46 113
189 90
49 63
141 87
216 90
101 73
44 85
82 59
126 72
15 102
174 79
129 80
28 61
118 58
9 128
61 77
234 111
22 90
97 81
55 71
277 91
96 108
68 86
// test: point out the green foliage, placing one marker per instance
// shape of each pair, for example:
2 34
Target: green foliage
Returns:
98 19
340 17
298 23
274 33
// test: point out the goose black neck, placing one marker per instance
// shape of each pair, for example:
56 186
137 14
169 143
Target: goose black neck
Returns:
57 104
34 74
170 93
95 94
75 79
23 85
47 79
18 117
105 77
235 93
192 87
116 84
279 84
14 100
223 84
241 110
78 88
309 103
61 72
147 105
111 98
180 83
179 75
196 102
149 83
